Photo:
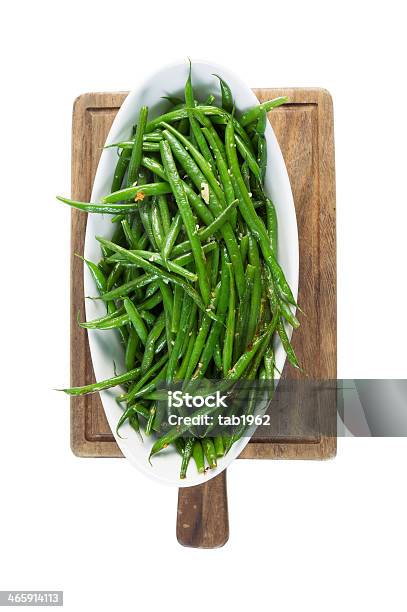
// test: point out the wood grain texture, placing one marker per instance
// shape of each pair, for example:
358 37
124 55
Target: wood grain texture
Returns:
202 517
304 129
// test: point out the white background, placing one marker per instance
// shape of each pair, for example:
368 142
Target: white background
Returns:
309 536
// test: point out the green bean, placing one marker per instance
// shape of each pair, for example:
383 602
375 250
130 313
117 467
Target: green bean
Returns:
197 453
269 363
135 423
150 144
227 97
170 117
103 384
222 167
187 217
200 339
130 236
180 375
137 192
136 320
248 157
179 338
156 224
151 289
126 288
217 356
152 338
100 320
118 321
150 422
292 358
164 212
186 456
219 448
136 154
244 247
152 137
114 276
127 274
253 113
97 275
244 313
145 216
261 123
151 147
262 156
230 327
209 452
278 306
176 311
196 130
131 349
215 266
288 315
172 236
109 323
216 328
168 300
125 416
101 208
256 290
272 225
120 170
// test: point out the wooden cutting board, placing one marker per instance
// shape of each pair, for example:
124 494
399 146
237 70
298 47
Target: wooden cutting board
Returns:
304 129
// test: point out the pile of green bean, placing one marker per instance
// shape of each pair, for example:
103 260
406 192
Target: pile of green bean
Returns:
190 278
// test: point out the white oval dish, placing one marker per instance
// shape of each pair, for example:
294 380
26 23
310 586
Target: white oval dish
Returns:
105 347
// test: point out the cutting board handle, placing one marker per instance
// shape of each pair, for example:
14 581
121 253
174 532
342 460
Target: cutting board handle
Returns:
202 518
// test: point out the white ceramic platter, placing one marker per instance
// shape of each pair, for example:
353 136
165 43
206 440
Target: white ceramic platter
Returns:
104 345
